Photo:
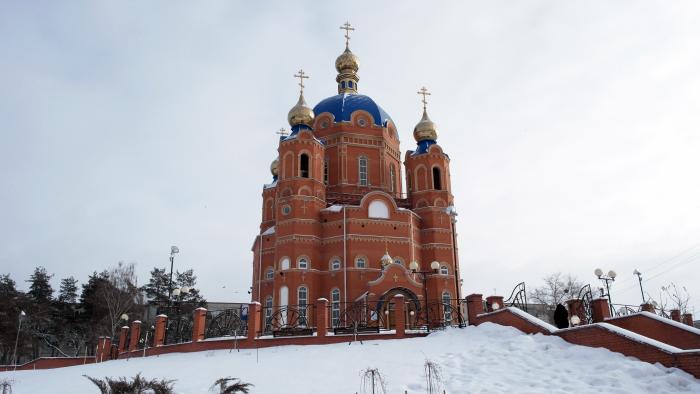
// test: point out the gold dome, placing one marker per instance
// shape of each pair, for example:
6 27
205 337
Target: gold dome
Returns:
425 129
347 61
274 166
386 259
301 114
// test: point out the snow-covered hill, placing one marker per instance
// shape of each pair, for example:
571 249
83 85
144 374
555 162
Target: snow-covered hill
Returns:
484 359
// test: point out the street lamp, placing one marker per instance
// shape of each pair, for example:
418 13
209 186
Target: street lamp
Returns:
19 328
434 266
173 250
639 276
610 277
178 294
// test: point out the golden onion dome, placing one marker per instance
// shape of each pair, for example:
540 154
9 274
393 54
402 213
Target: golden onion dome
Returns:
425 129
301 113
274 166
347 61
386 259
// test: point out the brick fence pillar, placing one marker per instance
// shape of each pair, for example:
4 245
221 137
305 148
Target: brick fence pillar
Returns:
687 318
600 310
400 315
475 306
199 321
123 332
575 307
134 335
647 308
254 319
491 301
104 344
161 326
321 317
676 315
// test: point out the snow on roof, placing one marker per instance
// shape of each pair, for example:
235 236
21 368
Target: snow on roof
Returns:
663 320
638 338
269 185
333 208
532 319
269 231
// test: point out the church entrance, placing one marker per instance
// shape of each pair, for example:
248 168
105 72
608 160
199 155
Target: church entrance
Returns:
385 305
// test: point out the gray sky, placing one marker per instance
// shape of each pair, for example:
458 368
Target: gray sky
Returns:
572 128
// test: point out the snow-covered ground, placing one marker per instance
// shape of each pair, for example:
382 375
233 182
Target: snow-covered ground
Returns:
484 359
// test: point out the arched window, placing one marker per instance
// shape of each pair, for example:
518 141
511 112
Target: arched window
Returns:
302 304
270 273
335 264
361 262
304 165
392 177
444 270
378 209
397 260
284 263
335 307
325 171
303 263
362 163
437 184
447 306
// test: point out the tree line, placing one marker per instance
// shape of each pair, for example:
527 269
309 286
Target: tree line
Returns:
68 322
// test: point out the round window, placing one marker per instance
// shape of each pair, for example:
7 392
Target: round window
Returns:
324 124
286 209
362 122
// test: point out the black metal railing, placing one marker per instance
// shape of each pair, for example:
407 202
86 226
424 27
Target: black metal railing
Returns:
518 297
288 320
146 335
624 310
586 297
179 329
438 314
227 323
360 316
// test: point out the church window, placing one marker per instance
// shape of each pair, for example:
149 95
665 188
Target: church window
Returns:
362 161
325 171
398 261
446 304
444 270
362 122
361 262
335 307
284 263
268 313
392 177
304 165
269 274
342 84
286 210
303 263
302 303
437 184
335 264
378 209
350 84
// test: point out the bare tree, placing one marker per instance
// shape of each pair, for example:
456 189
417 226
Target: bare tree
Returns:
678 298
119 293
373 382
557 289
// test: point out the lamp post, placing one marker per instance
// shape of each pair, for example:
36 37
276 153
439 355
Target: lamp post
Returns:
639 276
177 296
19 328
610 277
434 266
173 251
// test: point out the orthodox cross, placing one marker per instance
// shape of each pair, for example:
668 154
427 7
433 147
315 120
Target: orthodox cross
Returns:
301 75
348 28
303 207
282 132
396 277
424 92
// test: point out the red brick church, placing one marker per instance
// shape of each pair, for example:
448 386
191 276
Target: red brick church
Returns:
337 222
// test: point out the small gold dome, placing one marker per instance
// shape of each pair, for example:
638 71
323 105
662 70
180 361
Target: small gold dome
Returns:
425 129
347 61
386 259
301 114
274 166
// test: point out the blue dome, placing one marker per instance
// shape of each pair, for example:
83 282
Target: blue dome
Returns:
343 105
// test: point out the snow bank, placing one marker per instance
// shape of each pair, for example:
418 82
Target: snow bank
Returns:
486 359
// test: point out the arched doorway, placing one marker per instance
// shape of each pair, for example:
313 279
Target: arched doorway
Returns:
385 305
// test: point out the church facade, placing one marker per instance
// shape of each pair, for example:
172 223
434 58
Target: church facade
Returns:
337 222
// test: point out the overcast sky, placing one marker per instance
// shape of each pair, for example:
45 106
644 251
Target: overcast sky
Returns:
573 129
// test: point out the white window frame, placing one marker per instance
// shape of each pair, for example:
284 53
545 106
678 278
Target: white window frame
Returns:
444 270
335 307
362 174
447 311
302 305
333 264
360 258
306 263
269 273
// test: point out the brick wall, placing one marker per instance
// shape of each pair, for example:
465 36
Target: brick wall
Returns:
653 328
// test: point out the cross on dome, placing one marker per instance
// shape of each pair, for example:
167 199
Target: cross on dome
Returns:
348 28
424 92
301 75
282 132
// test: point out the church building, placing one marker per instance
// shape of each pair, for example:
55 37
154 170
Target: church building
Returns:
337 222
